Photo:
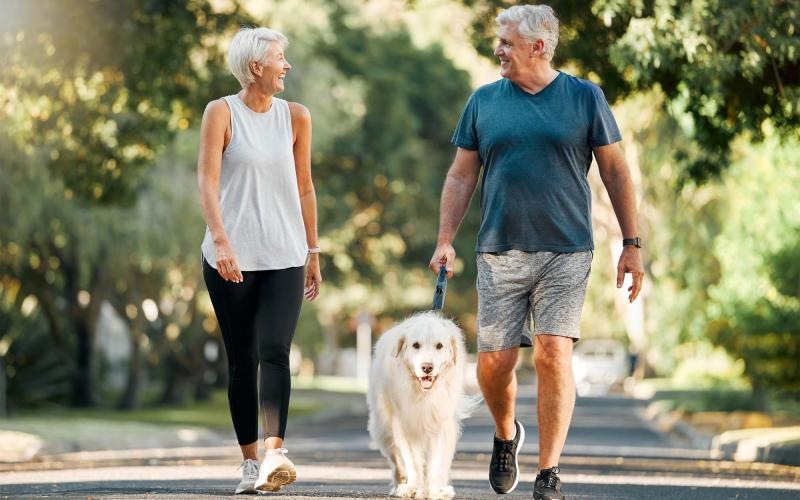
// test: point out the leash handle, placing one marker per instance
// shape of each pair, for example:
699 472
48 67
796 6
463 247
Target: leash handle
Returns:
441 289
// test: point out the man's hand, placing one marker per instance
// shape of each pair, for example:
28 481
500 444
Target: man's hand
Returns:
444 255
631 262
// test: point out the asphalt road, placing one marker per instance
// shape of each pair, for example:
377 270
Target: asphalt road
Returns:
611 452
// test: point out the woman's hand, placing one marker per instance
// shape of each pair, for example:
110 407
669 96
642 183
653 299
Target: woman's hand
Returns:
227 265
313 277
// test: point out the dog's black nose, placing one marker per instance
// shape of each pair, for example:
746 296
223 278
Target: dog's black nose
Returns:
427 367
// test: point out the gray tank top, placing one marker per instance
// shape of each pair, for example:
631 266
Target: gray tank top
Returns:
258 194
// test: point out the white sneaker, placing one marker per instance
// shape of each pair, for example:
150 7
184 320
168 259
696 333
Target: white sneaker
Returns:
276 471
249 475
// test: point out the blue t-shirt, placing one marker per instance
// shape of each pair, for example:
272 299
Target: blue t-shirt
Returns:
536 150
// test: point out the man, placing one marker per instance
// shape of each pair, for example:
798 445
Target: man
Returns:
534 132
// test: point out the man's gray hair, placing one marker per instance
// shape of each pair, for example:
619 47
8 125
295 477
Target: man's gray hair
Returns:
533 22
249 45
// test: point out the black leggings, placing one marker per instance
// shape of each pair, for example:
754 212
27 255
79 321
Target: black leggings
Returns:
257 318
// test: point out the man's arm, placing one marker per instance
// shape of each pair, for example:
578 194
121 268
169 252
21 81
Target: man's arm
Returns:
456 194
617 180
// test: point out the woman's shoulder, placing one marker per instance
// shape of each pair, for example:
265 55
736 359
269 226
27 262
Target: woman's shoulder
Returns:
218 108
298 110
299 113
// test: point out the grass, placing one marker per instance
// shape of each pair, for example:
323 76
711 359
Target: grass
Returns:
723 400
64 429
212 413
330 384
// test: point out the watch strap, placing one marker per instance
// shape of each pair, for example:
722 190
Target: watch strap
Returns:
636 242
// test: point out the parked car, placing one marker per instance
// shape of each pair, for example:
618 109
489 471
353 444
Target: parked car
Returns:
600 366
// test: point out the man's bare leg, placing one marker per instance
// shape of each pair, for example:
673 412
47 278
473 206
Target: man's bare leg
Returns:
556 395
498 384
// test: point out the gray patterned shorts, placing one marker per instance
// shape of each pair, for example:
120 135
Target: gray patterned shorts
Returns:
515 285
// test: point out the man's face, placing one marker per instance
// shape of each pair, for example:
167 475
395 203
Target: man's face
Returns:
513 51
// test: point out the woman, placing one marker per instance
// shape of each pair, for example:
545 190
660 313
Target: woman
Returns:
260 252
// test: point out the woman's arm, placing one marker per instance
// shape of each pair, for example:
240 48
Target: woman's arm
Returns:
301 130
214 136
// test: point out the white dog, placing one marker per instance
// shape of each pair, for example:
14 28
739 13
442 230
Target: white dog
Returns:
416 403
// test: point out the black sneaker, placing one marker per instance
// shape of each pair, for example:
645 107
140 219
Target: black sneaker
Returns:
547 485
504 469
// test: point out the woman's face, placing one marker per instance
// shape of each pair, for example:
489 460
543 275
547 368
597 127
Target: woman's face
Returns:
273 69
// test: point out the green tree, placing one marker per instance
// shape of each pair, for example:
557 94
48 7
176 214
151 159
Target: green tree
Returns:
725 68
755 309
387 169
679 223
90 92
100 87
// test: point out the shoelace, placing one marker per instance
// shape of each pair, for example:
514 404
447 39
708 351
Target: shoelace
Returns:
551 480
504 453
249 469
278 451
550 477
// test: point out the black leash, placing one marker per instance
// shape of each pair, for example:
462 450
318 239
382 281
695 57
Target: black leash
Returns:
441 289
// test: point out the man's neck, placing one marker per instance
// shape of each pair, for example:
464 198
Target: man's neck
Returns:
537 78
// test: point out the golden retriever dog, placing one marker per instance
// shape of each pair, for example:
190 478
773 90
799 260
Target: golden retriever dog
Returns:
416 403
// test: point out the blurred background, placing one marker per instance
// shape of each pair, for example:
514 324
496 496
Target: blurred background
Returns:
102 304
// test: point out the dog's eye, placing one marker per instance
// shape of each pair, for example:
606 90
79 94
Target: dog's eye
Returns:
439 345
415 345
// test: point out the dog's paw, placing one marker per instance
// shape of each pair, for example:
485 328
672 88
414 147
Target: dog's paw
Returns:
442 493
404 491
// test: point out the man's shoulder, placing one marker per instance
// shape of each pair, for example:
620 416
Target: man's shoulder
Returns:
491 90
580 85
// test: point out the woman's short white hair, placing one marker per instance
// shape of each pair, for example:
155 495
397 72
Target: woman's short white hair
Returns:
533 22
248 45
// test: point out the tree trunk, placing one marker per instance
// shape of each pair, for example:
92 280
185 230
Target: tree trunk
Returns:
84 319
82 380
760 396
180 385
177 390
130 397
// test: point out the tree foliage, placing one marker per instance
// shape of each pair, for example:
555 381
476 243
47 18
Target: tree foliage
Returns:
726 68
755 308
90 92
124 231
100 87
379 178
766 336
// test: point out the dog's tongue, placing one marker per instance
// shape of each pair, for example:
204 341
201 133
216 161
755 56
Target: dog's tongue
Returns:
426 382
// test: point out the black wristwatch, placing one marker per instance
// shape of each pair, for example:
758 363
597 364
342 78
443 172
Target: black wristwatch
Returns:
637 242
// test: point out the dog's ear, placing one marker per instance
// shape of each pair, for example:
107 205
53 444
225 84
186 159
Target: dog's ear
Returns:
454 350
401 344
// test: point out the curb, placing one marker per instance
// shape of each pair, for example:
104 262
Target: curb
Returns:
671 423
18 446
776 444
23 451
118 458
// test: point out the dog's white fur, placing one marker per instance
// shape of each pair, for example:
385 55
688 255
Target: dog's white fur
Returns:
415 421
